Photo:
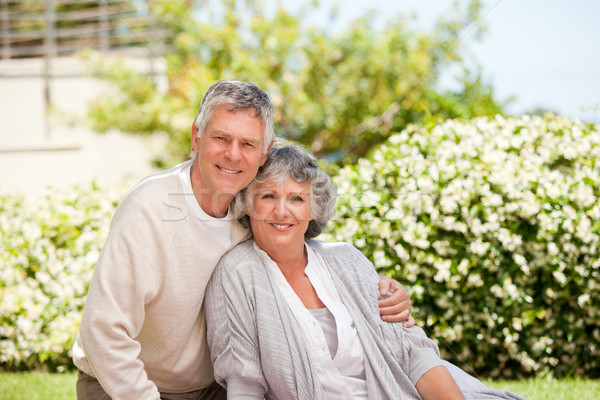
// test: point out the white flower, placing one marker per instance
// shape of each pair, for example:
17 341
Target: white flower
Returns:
443 271
519 259
583 299
560 277
479 247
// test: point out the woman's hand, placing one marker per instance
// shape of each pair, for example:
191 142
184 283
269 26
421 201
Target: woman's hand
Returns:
397 307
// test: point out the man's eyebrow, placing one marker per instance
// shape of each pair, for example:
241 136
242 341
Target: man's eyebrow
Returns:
251 140
220 132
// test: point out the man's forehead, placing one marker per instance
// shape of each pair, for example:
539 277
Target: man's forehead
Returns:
221 124
230 108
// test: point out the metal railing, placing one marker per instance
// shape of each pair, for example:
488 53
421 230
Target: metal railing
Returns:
61 27
49 28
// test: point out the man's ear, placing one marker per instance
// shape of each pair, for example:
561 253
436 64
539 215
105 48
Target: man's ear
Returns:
194 137
267 153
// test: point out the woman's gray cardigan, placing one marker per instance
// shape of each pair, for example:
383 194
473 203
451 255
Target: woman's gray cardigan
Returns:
259 351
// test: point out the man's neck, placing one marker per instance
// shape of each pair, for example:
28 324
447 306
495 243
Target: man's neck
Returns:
216 208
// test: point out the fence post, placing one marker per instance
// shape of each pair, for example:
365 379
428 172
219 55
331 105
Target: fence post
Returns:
104 26
5 28
49 53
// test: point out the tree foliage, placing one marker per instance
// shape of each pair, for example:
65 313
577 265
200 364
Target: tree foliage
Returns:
338 92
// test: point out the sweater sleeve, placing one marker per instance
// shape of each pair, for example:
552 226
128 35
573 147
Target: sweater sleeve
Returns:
123 282
232 333
422 353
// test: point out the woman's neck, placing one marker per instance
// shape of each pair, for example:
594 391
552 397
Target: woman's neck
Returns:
290 261
293 265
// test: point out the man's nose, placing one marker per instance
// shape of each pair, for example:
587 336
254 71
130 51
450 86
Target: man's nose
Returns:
233 151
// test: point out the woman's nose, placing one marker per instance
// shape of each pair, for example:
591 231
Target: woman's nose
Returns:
281 209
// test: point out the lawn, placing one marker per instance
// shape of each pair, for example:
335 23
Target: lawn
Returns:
42 386
37 386
547 389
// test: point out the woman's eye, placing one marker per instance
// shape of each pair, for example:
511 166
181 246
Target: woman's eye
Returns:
268 196
297 198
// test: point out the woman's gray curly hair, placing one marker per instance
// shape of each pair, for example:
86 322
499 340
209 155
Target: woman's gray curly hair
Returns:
295 162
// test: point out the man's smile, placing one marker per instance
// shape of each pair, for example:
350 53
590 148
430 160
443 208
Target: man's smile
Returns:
229 171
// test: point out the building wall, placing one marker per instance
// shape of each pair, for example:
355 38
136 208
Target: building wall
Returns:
35 154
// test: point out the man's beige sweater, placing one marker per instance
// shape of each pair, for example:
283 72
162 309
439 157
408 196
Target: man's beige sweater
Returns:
143 328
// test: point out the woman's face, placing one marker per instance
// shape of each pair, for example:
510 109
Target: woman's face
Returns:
280 214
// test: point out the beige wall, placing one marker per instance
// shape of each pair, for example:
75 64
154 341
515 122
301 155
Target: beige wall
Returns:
33 158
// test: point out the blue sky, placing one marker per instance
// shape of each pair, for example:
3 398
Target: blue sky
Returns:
542 52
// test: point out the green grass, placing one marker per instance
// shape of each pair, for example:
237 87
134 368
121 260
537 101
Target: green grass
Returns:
551 389
37 386
42 386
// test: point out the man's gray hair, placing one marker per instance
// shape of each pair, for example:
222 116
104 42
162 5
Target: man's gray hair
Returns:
239 96
297 163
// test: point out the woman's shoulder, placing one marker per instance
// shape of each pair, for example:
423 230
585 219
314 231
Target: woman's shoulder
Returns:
342 256
333 249
234 269
238 256
241 249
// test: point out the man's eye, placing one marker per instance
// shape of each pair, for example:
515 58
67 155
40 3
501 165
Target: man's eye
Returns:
248 144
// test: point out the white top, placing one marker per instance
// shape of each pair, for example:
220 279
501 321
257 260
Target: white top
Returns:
342 377
219 228
327 321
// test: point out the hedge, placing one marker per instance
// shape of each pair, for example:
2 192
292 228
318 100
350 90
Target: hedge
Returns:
48 248
494 226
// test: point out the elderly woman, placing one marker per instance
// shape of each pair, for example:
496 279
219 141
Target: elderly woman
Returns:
293 318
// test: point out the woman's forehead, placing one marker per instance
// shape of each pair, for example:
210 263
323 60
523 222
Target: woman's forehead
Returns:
287 184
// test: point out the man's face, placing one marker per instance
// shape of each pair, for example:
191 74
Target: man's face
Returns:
230 151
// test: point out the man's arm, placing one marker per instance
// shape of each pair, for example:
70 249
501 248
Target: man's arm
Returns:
114 311
397 307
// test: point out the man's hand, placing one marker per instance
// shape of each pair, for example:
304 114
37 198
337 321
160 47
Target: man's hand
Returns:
397 307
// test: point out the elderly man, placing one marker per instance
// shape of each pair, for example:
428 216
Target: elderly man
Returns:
143 331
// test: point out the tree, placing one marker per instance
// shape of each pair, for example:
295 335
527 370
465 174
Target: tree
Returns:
339 93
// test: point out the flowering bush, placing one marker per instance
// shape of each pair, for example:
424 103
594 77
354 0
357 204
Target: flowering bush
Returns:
48 248
494 225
